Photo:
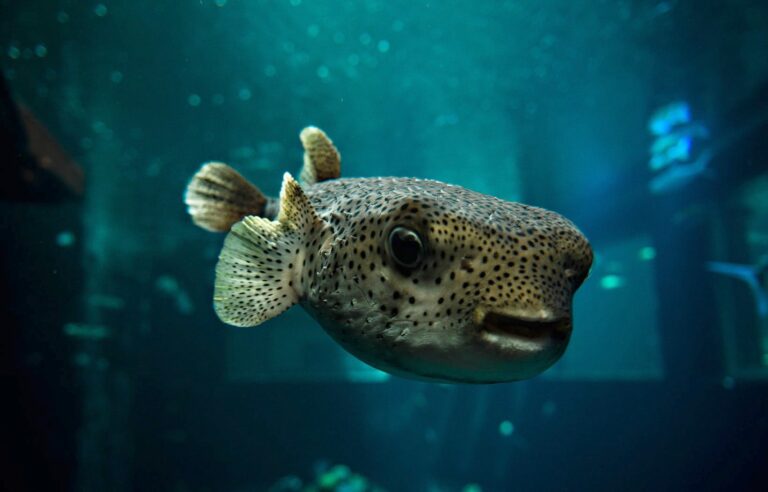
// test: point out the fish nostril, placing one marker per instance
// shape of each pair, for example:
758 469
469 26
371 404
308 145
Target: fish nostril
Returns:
466 264
576 276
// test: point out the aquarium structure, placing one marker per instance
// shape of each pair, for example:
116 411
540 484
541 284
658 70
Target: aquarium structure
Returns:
643 122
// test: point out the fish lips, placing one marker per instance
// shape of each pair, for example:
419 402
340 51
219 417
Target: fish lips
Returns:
531 342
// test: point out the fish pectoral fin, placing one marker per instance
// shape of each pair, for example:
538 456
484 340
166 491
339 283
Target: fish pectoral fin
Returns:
254 273
321 158
218 196
258 275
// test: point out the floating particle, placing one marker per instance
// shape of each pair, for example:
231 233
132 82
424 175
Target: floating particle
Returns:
14 52
610 282
353 59
243 153
217 99
430 435
447 119
339 37
295 3
662 8
106 301
365 38
98 126
371 61
351 72
100 10
33 359
289 482
270 70
194 100
383 46
398 25
154 168
41 50
472 487
83 330
62 17
220 3
506 428
116 76
42 90
647 253
81 359
323 72
244 94
65 239
728 382
169 285
549 408
299 59
313 30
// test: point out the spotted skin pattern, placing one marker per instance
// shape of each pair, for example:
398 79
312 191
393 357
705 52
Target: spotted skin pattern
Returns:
487 299
479 251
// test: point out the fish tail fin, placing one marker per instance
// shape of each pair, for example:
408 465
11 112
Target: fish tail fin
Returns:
322 160
259 273
749 274
218 196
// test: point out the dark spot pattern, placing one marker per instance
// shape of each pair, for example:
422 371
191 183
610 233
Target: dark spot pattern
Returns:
455 258
478 250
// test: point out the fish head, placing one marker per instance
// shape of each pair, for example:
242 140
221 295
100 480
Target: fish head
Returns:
445 284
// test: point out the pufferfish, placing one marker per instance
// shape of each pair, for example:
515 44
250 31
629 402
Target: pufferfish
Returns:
415 277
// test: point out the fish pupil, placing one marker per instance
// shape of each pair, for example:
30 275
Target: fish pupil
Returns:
405 247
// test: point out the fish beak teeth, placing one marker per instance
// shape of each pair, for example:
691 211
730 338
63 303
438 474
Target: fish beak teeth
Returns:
540 328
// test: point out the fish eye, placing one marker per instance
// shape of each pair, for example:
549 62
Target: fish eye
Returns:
406 247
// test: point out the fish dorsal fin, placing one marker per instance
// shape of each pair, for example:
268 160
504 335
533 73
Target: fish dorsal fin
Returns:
259 269
321 159
295 209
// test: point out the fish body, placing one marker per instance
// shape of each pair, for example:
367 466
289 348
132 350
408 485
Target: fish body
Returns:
415 277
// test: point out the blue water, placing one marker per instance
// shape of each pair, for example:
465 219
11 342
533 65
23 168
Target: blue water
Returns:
122 376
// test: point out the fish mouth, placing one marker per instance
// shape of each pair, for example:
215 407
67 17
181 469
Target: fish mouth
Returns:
528 328
523 333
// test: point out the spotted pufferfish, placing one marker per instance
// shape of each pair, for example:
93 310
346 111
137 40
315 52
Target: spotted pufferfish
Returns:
415 277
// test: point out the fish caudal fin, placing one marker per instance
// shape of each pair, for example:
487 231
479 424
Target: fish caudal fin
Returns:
218 196
321 159
749 274
259 271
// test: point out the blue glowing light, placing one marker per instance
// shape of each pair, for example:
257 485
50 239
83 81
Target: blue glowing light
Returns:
611 282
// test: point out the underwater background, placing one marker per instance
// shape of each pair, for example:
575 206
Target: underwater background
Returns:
644 122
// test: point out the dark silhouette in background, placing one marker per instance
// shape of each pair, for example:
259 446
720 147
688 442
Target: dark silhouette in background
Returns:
40 187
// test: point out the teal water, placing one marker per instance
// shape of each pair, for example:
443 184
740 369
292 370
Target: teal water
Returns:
123 378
